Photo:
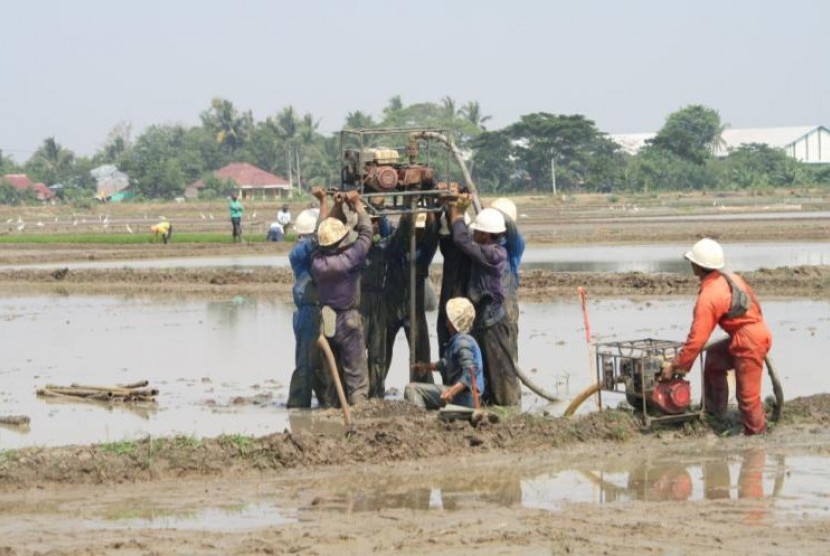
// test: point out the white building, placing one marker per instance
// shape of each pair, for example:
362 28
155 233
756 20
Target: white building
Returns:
804 143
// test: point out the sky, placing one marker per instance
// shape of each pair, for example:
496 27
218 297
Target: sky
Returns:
75 69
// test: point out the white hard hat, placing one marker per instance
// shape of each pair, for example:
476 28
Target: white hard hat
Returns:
490 221
331 231
461 313
306 222
506 206
706 253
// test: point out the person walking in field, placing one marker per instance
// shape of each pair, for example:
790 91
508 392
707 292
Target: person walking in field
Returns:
725 299
236 209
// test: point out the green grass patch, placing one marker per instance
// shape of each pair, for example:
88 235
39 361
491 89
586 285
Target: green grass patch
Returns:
121 448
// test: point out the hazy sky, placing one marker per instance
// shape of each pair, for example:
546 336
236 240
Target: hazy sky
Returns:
74 69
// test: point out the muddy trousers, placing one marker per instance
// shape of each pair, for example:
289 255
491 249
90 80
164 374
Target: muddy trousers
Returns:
309 374
500 376
373 311
350 354
395 322
746 355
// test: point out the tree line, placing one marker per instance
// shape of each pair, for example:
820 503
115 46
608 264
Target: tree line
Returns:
521 157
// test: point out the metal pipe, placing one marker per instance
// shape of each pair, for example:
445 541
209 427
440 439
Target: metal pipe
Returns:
413 324
468 179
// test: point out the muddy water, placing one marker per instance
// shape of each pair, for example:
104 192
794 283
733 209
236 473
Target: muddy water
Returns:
223 366
787 484
594 258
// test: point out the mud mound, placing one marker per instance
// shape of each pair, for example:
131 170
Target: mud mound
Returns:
536 285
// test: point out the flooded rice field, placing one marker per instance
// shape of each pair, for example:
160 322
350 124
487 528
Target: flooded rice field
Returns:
223 366
662 257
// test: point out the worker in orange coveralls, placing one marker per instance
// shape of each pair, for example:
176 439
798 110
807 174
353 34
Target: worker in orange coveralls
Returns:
727 300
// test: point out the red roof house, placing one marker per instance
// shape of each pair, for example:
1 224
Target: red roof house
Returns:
22 181
251 181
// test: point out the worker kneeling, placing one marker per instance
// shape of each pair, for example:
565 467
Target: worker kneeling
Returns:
727 300
460 367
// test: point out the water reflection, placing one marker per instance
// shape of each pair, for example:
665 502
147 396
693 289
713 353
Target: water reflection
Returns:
744 475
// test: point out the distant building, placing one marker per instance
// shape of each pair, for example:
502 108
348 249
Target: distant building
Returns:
809 144
252 182
22 181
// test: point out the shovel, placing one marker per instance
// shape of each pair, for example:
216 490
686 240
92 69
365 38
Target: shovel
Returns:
329 318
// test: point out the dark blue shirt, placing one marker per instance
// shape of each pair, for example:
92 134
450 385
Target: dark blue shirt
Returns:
304 291
487 265
461 362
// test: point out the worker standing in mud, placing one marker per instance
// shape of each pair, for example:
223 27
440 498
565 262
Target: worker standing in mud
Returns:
397 300
373 303
514 243
335 268
455 273
488 259
461 365
725 299
236 209
308 374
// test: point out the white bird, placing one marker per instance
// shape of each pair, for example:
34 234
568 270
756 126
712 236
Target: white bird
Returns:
83 220
9 221
253 215
107 219
203 215
39 224
129 229
21 226
211 215
56 219
75 222
19 219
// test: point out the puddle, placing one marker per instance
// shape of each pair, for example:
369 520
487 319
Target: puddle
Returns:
594 258
235 518
223 366
766 486
787 485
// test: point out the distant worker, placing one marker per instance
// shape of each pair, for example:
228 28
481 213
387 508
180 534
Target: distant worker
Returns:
309 375
488 259
725 299
236 210
284 218
335 268
461 365
514 243
162 231
276 232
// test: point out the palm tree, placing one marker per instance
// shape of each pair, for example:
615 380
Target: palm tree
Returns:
232 129
449 105
51 162
472 113
359 120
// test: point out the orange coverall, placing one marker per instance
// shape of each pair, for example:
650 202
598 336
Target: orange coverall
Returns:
748 344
